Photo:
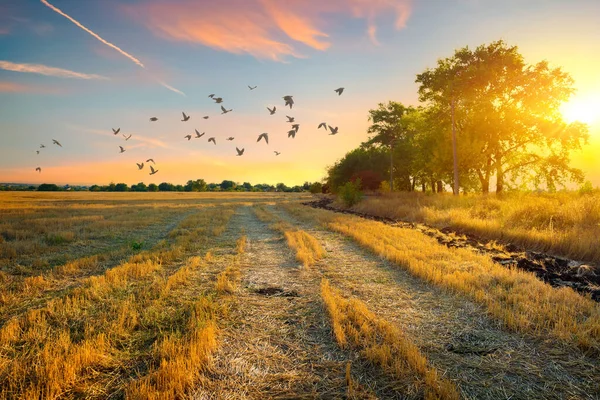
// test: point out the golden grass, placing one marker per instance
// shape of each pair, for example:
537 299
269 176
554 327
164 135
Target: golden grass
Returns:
382 343
87 337
517 298
566 224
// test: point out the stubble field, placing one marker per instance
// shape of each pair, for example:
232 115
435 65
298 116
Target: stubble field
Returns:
244 295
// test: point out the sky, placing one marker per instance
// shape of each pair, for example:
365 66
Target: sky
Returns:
73 70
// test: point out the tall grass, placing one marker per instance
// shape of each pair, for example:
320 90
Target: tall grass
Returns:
566 224
517 298
384 344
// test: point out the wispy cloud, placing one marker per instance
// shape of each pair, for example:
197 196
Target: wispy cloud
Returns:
141 140
265 29
106 42
13 87
46 70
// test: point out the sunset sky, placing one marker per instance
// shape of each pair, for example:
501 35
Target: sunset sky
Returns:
71 70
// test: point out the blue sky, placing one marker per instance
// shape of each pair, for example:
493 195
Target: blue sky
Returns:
308 48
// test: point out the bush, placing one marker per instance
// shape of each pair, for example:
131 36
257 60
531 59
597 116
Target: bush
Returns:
384 187
586 188
316 188
350 193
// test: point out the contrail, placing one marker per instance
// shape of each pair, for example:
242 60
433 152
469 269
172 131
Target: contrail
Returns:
132 58
46 70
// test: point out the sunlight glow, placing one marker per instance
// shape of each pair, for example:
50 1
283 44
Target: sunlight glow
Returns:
586 110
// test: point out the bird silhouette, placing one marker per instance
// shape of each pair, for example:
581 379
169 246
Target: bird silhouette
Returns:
198 135
212 95
292 134
127 137
205 117
188 137
185 117
333 130
252 88
339 91
296 127
56 142
239 152
122 149
150 160
37 151
225 111
153 119
38 169
42 146
218 100
212 139
289 101
323 125
272 111
140 166
277 153
263 136
153 170
290 119
116 132
230 138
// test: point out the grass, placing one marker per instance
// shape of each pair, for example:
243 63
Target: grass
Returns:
516 298
354 326
566 224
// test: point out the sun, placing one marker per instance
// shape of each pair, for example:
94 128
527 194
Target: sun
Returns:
586 110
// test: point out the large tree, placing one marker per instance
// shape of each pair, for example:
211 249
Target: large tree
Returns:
507 114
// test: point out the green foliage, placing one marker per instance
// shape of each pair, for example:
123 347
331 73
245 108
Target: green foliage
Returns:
48 187
586 188
199 185
152 187
365 158
316 187
136 246
350 193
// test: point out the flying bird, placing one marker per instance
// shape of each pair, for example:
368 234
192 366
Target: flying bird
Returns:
323 125
212 95
116 132
205 117
153 170
218 100
333 130
127 137
289 101
339 91
56 142
38 169
198 135
140 166
230 138
153 119
225 111
42 146
290 119
150 160
296 127
212 139
239 152
188 137
272 111
265 136
252 88
277 153
292 133
122 149
37 151
185 117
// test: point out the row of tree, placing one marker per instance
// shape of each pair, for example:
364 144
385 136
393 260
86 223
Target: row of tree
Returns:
507 121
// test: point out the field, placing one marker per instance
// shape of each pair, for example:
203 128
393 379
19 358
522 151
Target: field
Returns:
253 296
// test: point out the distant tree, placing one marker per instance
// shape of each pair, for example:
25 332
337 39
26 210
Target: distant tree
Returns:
228 185
364 158
140 187
179 188
152 187
121 187
281 187
48 187
316 187
95 188
166 187
199 185
247 186
111 187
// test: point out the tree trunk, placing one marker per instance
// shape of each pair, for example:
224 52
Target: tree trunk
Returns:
414 183
423 187
499 178
440 187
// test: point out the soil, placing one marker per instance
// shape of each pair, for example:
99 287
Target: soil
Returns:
554 270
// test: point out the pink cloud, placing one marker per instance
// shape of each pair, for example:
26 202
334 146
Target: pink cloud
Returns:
12 87
4 30
267 29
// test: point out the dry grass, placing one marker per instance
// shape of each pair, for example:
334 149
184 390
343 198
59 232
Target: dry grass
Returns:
90 342
517 298
385 345
566 224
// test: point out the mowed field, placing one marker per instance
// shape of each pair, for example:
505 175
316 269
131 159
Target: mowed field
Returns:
254 296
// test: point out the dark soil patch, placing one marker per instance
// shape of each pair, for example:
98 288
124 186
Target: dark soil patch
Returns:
556 271
276 291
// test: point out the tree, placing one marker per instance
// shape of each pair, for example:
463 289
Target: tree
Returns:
199 185
95 188
281 187
48 187
140 187
507 114
166 187
316 187
121 187
152 187
247 186
228 185
364 158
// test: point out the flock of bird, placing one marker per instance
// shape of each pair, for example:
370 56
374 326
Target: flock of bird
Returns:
289 101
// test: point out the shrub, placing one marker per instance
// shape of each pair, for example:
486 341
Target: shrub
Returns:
586 188
384 187
350 193
316 187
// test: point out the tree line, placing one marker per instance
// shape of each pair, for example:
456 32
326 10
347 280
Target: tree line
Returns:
505 114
